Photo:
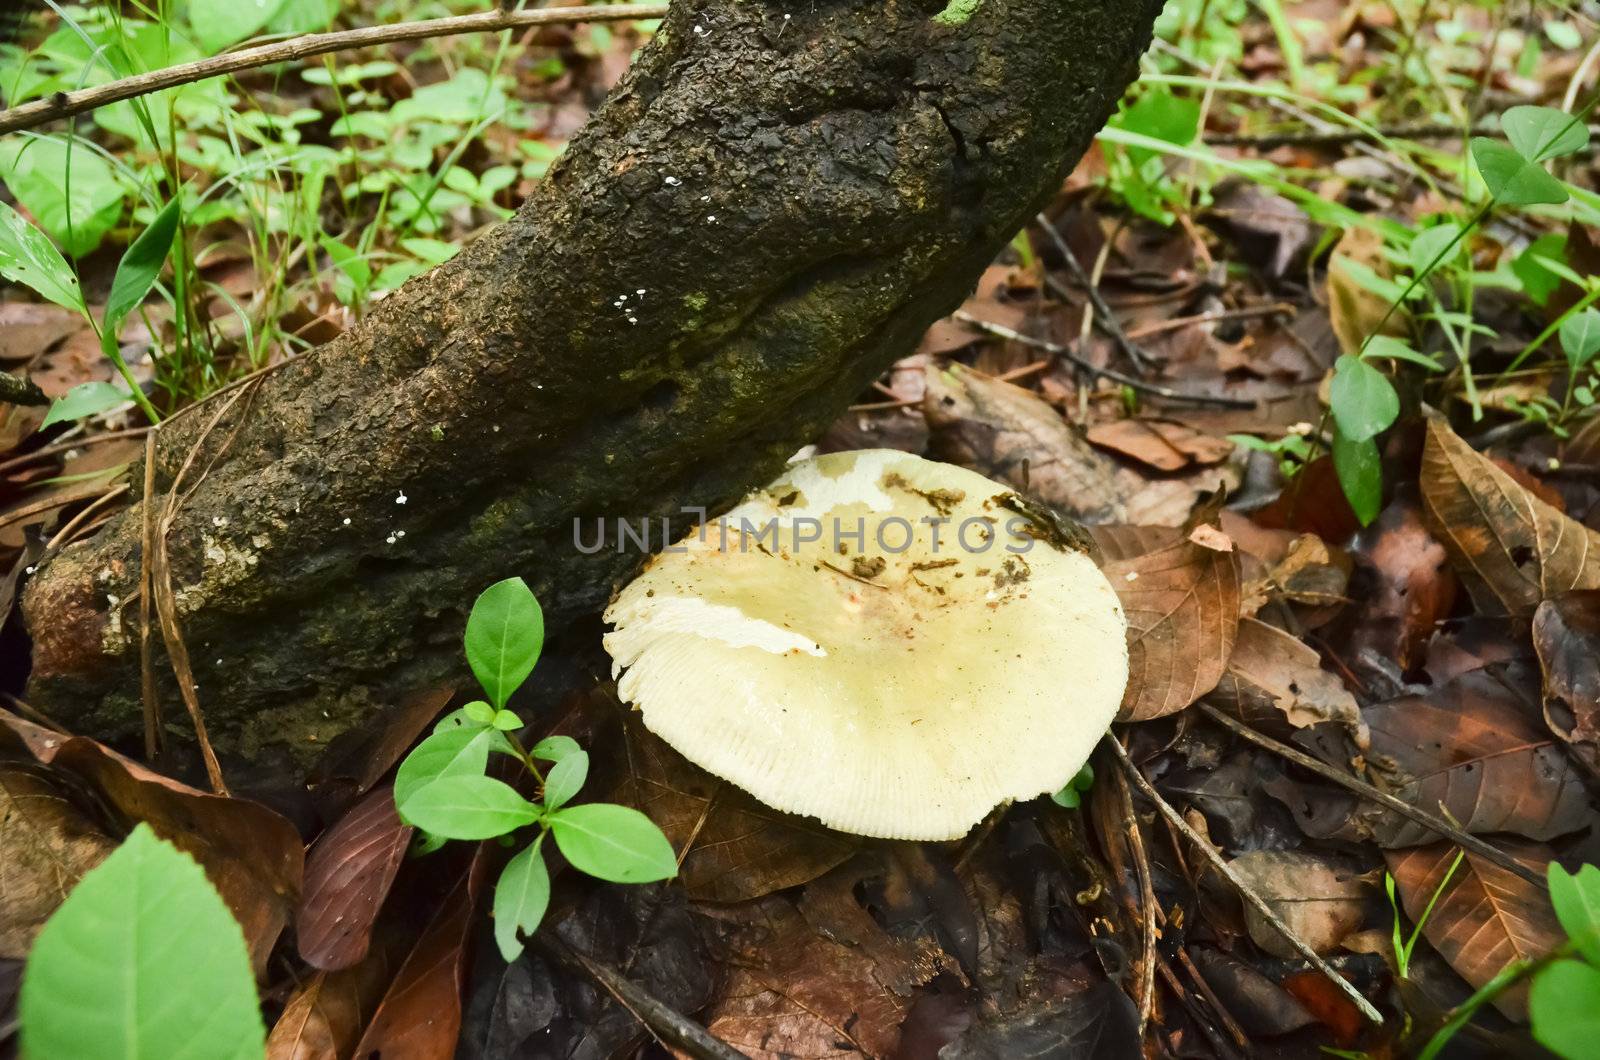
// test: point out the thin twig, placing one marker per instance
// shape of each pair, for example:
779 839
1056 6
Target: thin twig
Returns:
1335 136
1147 903
147 666
1112 374
20 390
1367 791
1103 314
67 446
1218 1043
1254 900
670 1026
66 104
51 503
1228 1022
82 517
1214 317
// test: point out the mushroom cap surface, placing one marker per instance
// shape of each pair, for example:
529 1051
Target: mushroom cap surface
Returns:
878 641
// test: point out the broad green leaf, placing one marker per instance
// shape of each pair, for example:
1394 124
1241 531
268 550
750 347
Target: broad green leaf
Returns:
1580 337
565 779
504 634
613 843
1162 116
140 266
143 959
219 23
1576 899
453 752
1564 1006
506 721
1360 470
85 399
28 257
295 17
1542 133
555 748
520 899
1362 398
1539 281
1390 348
1430 243
479 713
1512 179
468 807
71 192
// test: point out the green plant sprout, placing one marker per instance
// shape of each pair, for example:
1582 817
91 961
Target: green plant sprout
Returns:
441 787
1071 796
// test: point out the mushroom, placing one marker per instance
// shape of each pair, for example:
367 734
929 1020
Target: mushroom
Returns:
890 645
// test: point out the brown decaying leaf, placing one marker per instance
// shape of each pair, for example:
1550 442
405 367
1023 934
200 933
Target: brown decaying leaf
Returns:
1276 683
1162 444
1182 603
1309 573
790 992
252 856
1566 634
1354 308
731 848
348 875
1415 591
420 1015
46 845
324 1017
1486 917
1473 748
1317 899
1511 548
1013 436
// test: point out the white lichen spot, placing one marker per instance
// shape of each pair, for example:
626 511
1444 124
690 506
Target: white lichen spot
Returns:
347 520
672 182
711 218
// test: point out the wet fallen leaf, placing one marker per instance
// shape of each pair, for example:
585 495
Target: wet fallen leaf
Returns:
1415 588
1162 444
1317 899
348 875
1475 749
1182 603
1012 435
324 1017
1097 1023
253 856
46 845
1260 1005
731 848
1486 917
1272 232
1309 573
1275 682
1511 549
1566 634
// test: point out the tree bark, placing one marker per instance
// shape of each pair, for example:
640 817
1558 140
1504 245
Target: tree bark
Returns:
772 206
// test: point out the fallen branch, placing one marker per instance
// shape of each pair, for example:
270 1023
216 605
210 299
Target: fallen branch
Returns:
1255 901
19 390
1112 374
66 104
1367 791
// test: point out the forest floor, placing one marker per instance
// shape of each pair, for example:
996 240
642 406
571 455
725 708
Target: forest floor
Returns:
1173 352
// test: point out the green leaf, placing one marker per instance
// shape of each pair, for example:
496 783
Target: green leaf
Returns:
479 713
1430 243
1542 133
1512 179
1539 281
1576 899
219 23
565 779
140 266
143 959
85 399
453 752
555 748
1162 116
1071 796
1564 1006
71 192
506 721
1360 470
1390 348
1362 398
28 257
1580 338
613 843
295 17
468 807
504 635
520 899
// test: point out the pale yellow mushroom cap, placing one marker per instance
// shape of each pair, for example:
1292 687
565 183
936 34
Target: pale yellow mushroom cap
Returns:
899 684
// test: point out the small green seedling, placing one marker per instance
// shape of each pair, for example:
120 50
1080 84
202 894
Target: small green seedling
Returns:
441 787
1071 796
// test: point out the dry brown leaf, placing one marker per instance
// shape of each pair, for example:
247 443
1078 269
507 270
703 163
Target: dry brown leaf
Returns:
1566 634
1013 436
1354 308
1511 549
1276 683
324 1017
348 875
1182 603
46 845
1162 444
1486 918
732 848
790 992
1415 590
1474 747
1317 899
